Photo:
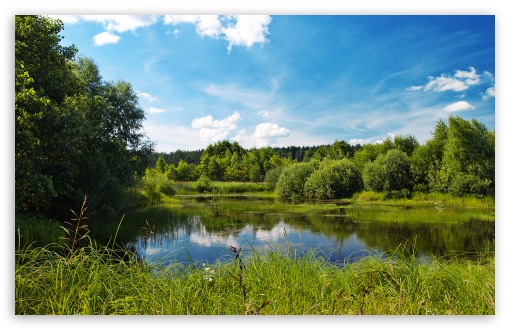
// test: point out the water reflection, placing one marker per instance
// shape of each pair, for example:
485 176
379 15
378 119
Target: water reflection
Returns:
207 237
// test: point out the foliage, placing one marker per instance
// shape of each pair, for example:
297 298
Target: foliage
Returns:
389 172
333 179
291 183
154 184
203 184
75 134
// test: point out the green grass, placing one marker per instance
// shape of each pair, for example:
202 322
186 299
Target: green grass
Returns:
98 281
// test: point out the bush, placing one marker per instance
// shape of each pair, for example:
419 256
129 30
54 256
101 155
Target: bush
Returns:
203 184
333 179
154 184
468 184
389 172
272 177
291 183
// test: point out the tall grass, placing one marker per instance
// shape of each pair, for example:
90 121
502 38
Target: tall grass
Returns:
102 281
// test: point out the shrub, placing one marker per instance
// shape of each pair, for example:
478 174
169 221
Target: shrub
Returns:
154 184
272 176
291 183
389 172
333 179
468 184
203 184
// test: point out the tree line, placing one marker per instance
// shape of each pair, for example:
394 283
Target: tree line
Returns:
458 159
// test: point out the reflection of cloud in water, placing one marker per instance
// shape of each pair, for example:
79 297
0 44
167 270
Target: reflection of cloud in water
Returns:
203 239
149 250
270 236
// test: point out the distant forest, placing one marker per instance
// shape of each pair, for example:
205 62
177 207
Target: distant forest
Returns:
296 153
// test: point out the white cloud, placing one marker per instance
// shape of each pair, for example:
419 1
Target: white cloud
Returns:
414 88
266 134
243 30
170 138
470 77
445 83
104 38
146 96
459 82
359 141
215 130
121 23
153 110
459 106
247 30
489 93
177 19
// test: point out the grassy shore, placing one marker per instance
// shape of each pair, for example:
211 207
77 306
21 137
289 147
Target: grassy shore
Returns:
100 281
56 279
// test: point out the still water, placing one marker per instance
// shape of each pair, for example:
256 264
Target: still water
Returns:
206 237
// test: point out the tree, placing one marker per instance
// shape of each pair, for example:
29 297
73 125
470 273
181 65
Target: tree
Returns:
406 143
71 126
469 154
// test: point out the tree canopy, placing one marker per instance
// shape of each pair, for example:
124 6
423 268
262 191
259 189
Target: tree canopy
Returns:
75 134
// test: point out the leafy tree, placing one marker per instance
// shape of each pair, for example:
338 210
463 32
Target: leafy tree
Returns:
369 153
406 143
71 126
469 150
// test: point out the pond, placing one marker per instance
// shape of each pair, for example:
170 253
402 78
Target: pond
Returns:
203 231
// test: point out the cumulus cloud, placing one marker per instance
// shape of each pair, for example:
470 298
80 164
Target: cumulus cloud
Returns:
243 30
459 106
489 93
460 81
104 38
266 134
247 30
215 130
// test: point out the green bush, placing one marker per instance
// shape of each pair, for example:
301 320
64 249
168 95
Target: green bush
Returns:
468 184
154 184
333 179
291 183
203 184
272 176
389 172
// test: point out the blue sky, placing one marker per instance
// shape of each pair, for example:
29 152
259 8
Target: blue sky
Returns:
299 80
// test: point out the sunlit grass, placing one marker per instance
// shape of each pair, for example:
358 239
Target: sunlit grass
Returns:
100 281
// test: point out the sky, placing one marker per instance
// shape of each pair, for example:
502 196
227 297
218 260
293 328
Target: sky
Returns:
301 79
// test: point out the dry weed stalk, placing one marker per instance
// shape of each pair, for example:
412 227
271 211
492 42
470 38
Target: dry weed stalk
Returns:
77 231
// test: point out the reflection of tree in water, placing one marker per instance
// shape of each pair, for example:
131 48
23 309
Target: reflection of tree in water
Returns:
436 239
